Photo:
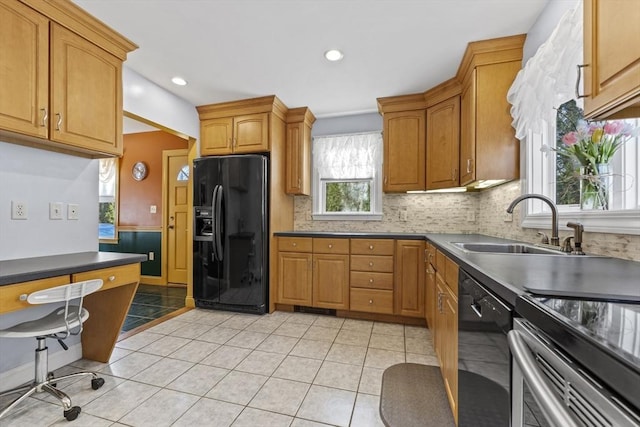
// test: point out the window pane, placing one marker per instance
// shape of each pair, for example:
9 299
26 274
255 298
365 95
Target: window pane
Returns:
107 225
107 196
567 168
350 196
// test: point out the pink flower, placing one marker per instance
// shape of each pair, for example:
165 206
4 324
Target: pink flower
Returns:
613 128
570 138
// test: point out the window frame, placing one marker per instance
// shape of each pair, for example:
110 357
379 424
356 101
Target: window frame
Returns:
319 197
536 214
116 196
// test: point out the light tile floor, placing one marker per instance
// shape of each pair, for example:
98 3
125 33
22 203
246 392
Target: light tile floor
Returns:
226 369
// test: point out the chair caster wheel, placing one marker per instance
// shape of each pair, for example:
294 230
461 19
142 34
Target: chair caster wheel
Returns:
96 383
72 413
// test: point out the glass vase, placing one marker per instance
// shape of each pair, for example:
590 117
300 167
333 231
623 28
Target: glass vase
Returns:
595 187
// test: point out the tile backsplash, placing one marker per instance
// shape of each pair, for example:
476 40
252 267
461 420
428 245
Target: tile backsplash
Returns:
460 213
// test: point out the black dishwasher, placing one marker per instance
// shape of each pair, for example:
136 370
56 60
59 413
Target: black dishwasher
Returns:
484 362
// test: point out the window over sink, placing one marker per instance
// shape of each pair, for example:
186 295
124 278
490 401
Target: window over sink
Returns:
107 199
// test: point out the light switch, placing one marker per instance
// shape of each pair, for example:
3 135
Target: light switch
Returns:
55 210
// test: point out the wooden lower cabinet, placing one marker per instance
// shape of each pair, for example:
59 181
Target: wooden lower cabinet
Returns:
295 278
445 328
331 281
409 278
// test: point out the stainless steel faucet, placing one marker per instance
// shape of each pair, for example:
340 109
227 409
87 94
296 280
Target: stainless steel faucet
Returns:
578 229
555 240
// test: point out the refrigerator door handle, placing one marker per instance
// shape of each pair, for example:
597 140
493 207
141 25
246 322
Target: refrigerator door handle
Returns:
214 220
218 224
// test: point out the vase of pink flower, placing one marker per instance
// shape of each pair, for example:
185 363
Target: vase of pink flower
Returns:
592 146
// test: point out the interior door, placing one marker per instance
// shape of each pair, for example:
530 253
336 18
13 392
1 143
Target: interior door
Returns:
177 229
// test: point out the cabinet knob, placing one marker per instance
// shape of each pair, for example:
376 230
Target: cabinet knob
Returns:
23 297
370 301
370 280
371 247
371 264
294 244
330 246
112 278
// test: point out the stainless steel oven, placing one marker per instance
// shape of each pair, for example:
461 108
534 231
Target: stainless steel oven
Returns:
575 363
483 356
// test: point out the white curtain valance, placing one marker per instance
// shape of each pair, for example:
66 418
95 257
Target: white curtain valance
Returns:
353 156
107 180
548 79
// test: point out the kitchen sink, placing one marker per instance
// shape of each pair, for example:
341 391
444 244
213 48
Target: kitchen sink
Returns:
508 248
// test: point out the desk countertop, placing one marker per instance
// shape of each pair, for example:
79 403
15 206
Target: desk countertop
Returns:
26 269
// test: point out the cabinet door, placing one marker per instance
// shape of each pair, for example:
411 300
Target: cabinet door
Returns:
298 160
24 74
443 144
409 278
216 136
331 281
294 278
612 52
404 151
86 94
251 133
430 297
468 131
450 349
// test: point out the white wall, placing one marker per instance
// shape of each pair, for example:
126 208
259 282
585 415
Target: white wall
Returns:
37 177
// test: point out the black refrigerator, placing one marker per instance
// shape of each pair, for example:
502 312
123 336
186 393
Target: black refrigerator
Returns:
231 236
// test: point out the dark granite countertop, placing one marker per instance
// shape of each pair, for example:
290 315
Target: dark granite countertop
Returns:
511 275
26 269
350 234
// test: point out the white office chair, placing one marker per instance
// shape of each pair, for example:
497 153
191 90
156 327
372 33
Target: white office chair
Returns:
59 324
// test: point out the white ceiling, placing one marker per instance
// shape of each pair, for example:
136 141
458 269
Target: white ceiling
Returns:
236 49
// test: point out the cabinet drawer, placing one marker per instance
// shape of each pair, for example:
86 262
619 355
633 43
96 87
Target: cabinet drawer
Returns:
295 244
451 275
372 246
372 300
10 294
365 279
381 263
330 246
111 277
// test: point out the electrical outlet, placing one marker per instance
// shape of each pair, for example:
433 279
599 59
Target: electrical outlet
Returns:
55 210
18 210
403 215
152 256
153 209
471 216
508 217
73 211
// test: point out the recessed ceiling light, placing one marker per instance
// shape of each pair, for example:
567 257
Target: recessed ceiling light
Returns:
333 55
179 81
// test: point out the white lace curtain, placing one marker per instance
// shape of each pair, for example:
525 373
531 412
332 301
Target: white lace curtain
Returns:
548 79
347 156
107 180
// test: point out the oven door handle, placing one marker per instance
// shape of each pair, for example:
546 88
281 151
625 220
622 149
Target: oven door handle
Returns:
552 407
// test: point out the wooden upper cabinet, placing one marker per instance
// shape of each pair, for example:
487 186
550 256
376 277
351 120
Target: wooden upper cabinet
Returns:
24 74
612 58
245 126
251 133
57 85
488 147
409 278
404 151
216 136
443 144
86 93
298 151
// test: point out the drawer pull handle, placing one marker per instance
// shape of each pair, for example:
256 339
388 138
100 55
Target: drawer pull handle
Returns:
294 244
370 264
330 246
112 278
371 247
23 297
370 280
370 301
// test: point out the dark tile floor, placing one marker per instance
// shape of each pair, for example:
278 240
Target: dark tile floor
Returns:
152 302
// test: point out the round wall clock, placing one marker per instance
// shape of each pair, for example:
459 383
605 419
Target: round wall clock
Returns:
139 171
